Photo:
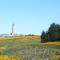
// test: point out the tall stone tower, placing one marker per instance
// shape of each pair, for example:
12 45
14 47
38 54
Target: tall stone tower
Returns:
12 33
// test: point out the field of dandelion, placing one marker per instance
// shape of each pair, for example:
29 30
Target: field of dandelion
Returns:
32 37
29 50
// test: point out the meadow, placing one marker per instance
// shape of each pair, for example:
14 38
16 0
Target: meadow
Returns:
31 49
20 37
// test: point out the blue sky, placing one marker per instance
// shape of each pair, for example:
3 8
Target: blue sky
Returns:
29 16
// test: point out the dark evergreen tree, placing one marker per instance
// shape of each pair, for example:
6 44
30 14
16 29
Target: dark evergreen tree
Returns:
53 33
43 36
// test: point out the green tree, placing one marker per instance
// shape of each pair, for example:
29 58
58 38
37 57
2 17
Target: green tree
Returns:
53 33
43 36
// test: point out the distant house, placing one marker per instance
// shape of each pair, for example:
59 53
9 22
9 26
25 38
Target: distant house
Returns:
4 35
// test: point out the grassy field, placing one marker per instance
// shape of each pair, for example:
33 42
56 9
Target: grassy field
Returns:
29 50
20 37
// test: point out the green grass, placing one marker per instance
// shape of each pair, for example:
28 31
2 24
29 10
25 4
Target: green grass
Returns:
29 50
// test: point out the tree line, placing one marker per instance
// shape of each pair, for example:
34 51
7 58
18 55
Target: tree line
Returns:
53 33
